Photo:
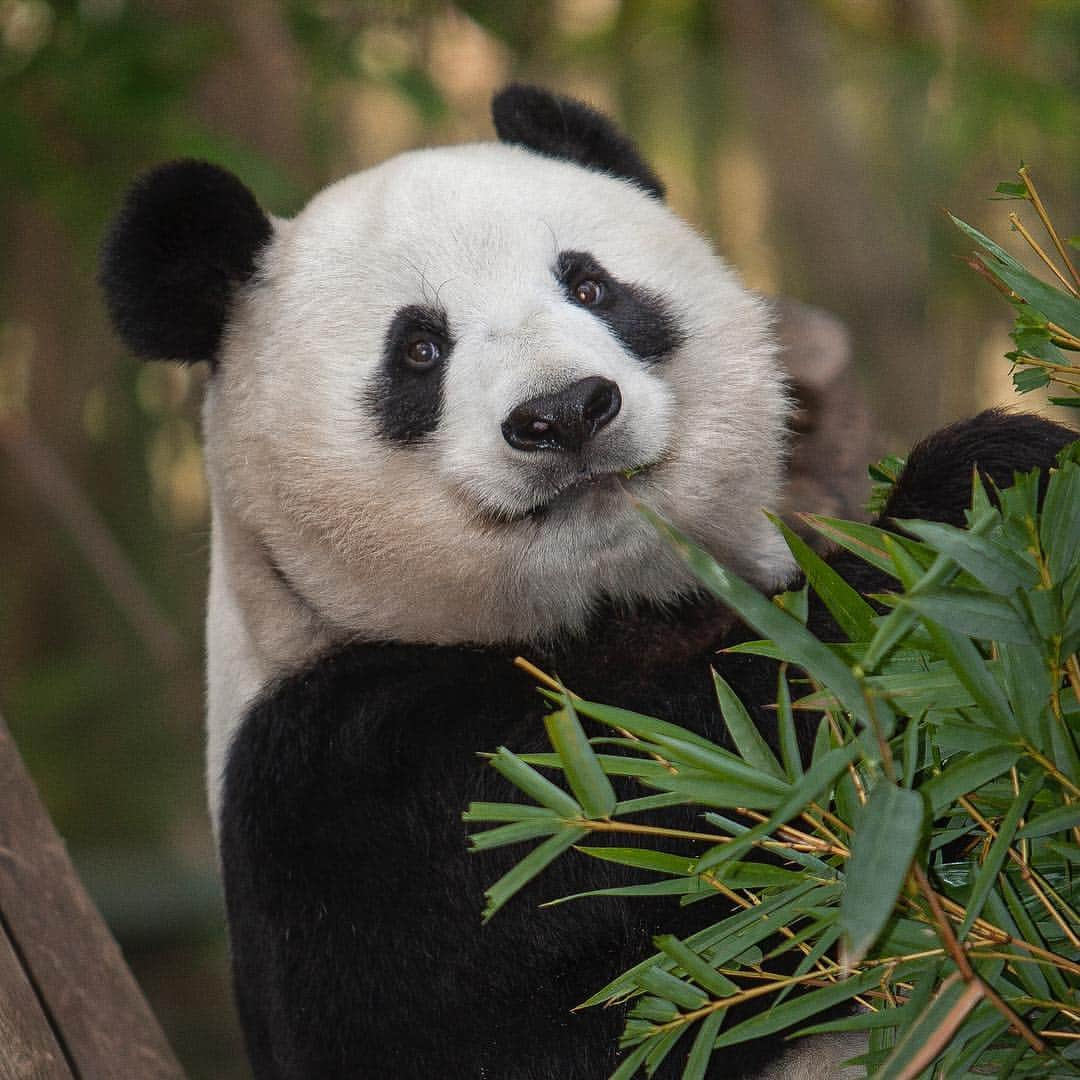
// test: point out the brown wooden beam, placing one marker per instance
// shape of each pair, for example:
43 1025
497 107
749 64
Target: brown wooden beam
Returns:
73 976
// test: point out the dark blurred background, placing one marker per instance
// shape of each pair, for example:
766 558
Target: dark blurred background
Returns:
816 141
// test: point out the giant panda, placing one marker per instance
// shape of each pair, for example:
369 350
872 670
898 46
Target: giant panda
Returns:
430 396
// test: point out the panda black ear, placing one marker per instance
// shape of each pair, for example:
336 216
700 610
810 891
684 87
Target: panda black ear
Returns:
561 127
186 236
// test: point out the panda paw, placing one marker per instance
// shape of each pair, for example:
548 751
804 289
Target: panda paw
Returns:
936 482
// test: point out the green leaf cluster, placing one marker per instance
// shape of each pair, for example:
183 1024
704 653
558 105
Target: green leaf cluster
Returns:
1047 328
916 874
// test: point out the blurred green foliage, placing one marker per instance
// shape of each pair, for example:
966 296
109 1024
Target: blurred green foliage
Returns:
816 141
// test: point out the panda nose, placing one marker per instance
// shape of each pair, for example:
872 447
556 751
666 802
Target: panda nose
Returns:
565 420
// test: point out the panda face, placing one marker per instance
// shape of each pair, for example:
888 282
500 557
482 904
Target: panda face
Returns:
451 376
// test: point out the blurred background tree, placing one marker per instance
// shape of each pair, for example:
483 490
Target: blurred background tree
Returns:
816 141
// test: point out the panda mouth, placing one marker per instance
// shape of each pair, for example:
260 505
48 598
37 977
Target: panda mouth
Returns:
581 486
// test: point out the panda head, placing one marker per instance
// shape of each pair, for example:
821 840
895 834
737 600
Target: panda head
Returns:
436 389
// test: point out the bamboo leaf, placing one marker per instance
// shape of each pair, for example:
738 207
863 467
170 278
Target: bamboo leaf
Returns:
789 737
852 613
745 736
887 832
665 985
711 790
800 645
687 886
486 811
583 772
976 614
701 1051
967 773
662 1045
995 857
533 863
729 938
515 833
867 541
999 568
932 1029
642 859
534 785
1053 821
792 1012
632 1062
702 972
1059 523
818 779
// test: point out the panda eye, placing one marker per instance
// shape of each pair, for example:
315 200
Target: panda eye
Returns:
589 292
422 353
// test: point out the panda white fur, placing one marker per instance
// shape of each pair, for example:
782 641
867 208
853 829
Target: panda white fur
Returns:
427 392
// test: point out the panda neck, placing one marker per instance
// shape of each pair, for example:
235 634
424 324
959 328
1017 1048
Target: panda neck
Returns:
259 627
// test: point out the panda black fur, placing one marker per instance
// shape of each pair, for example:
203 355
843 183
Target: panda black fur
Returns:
423 390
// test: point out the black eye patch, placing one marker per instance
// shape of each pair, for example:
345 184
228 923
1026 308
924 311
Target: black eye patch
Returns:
638 317
407 394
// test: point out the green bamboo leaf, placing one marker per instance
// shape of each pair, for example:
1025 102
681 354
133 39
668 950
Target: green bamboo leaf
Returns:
799 643
534 785
729 938
984 1026
640 858
819 778
662 1045
863 1021
486 811
700 970
995 857
789 738
827 935
656 1009
1056 305
514 833
745 736
1053 821
852 613
999 568
1000 908
643 726
717 761
967 773
533 863
887 832
945 1011
973 672
1009 190
1026 679
917 577
799 858
792 1012
630 1064
612 764
711 790
668 986
583 772
648 802
1059 524
796 602
976 614
866 541
688 886
701 1051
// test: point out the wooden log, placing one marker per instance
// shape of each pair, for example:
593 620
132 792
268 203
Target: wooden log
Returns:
62 967
28 1048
